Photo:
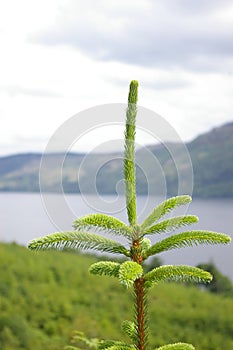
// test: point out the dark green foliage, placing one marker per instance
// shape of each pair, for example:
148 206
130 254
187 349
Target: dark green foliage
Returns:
220 284
153 262
39 309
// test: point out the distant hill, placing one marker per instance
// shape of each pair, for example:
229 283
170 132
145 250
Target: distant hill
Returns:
212 158
211 155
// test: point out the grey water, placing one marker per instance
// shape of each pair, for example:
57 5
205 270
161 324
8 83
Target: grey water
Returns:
24 216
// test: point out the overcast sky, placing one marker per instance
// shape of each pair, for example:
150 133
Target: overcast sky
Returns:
60 57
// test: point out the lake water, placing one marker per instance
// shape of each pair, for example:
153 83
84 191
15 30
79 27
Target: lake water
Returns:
24 216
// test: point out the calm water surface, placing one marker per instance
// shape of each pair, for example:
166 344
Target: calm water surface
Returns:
24 216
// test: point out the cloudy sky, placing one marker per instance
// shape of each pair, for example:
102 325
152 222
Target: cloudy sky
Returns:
61 57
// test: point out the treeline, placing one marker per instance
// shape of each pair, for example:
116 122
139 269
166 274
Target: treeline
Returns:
45 296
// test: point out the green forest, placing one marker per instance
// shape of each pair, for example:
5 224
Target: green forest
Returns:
45 296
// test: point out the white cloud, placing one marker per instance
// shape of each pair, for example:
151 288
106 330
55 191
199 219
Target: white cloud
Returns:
152 35
58 58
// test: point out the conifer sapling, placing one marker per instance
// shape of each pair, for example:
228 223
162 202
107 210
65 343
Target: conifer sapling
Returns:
131 273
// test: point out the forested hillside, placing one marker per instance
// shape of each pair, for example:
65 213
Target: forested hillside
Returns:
211 155
44 296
